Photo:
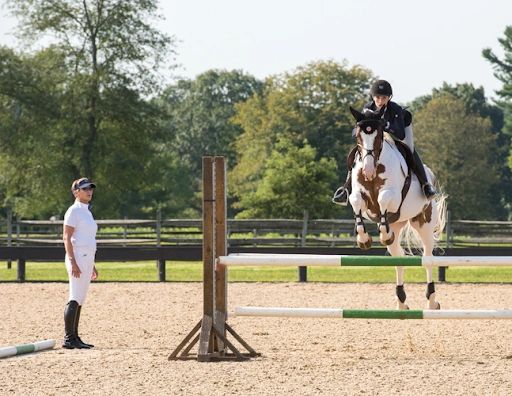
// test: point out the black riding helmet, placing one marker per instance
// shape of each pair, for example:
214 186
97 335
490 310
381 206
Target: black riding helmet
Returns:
381 87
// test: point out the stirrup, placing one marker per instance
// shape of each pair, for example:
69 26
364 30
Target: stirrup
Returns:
340 197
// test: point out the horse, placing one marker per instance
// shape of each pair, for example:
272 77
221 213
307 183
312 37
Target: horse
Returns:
385 191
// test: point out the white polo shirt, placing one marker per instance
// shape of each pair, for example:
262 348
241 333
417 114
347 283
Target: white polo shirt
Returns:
80 218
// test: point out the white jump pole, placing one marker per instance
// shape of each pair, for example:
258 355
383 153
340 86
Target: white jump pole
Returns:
372 313
26 348
335 260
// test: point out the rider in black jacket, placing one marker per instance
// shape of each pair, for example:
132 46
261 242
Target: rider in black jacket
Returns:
399 126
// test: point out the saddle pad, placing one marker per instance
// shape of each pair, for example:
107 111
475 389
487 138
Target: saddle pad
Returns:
403 164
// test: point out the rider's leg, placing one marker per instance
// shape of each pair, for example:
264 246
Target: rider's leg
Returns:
419 169
341 194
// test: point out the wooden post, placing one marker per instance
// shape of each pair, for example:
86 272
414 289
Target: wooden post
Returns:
161 269
21 270
303 270
158 242
9 234
205 340
212 328
125 231
158 227
441 272
221 304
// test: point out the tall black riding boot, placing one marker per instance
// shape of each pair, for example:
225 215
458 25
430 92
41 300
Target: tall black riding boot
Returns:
419 169
71 338
84 344
340 196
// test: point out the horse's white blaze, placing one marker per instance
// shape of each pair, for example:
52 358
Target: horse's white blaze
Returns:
369 170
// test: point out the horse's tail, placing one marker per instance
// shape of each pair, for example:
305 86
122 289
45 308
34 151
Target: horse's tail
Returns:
410 236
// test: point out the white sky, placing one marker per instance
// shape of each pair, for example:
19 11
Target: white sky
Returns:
416 45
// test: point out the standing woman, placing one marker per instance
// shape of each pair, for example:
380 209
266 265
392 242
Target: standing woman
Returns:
80 243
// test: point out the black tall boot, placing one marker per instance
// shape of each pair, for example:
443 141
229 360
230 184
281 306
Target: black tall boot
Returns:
341 195
419 169
84 344
71 338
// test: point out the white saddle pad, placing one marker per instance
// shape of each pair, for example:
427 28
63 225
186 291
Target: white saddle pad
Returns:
403 165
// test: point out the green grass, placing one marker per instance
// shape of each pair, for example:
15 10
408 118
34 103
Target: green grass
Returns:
180 271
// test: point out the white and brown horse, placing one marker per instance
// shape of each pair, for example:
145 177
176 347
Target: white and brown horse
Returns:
385 191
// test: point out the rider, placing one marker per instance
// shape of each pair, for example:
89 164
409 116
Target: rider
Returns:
399 126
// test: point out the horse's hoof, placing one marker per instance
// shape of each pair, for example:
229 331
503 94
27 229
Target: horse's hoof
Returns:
402 306
365 245
388 241
436 307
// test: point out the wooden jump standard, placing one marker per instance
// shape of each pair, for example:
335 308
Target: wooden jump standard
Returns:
212 329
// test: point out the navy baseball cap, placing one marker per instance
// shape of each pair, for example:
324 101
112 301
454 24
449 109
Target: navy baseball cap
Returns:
82 183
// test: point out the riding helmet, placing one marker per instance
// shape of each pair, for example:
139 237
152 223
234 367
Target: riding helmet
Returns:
381 87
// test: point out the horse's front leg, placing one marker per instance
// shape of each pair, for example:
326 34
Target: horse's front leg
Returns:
387 203
364 240
387 236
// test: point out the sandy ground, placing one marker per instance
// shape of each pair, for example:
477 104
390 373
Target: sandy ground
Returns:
136 326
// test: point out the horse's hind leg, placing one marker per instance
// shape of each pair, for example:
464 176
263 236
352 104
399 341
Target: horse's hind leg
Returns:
426 232
396 250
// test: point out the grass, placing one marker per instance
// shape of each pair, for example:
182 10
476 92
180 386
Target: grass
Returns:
180 271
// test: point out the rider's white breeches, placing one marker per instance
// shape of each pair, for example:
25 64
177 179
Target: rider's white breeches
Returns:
78 287
409 138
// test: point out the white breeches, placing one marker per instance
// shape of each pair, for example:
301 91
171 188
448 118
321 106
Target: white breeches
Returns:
78 287
409 138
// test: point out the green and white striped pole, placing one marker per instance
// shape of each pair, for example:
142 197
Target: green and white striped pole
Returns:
26 348
372 313
334 260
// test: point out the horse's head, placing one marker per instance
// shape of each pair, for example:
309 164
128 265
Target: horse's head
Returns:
370 137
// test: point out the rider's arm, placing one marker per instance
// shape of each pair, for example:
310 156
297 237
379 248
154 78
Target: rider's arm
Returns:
395 117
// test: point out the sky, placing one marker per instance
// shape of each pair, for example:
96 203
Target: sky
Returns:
415 45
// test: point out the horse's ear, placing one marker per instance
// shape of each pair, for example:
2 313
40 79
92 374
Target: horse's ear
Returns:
357 115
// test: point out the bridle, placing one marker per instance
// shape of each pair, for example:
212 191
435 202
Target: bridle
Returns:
373 123
375 151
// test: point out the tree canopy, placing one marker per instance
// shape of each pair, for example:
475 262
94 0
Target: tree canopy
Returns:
310 105
108 55
457 145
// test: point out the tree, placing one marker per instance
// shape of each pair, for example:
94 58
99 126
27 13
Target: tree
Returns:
198 122
310 104
31 152
476 103
293 181
200 113
111 55
457 144
503 72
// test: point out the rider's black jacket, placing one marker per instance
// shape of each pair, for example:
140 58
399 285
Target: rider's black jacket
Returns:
397 117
